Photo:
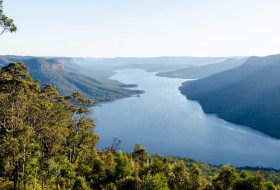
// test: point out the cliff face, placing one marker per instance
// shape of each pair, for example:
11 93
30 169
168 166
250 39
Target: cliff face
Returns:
35 63
65 60
52 65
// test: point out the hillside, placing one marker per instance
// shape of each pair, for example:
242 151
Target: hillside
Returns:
151 64
247 95
101 75
208 171
51 70
47 142
203 71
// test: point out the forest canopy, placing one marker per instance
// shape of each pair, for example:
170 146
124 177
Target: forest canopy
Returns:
47 141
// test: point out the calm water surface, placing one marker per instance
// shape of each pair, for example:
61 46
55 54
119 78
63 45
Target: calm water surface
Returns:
165 122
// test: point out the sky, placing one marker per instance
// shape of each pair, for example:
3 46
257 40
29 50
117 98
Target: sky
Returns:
142 28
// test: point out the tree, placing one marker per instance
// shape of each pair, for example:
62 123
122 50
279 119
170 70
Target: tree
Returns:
225 178
140 155
270 186
195 178
129 183
98 172
110 166
42 135
115 146
48 142
157 166
181 176
256 182
80 184
6 24
81 140
158 181
123 168
244 174
18 91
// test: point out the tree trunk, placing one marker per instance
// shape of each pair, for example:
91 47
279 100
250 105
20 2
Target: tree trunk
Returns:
15 177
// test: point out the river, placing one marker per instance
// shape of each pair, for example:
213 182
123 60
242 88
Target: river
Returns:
163 121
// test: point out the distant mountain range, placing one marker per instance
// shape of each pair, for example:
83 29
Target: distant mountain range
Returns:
203 71
247 95
52 71
151 64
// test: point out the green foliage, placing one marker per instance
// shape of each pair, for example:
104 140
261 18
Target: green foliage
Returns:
268 174
269 186
6 24
209 171
48 142
98 172
195 178
157 166
52 71
252 183
243 174
129 183
36 130
158 181
140 154
206 170
80 184
110 165
123 168
180 178
225 178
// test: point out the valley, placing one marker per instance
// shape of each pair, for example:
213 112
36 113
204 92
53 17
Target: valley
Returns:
139 95
69 77
165 122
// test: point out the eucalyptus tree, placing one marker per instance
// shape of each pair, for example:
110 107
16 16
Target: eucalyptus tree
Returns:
17 92
6 24
42 135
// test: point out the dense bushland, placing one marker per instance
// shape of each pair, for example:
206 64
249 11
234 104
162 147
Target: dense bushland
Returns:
48 142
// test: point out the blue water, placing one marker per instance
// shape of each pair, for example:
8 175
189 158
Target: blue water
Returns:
165 122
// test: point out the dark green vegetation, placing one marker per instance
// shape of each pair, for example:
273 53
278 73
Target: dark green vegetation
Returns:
51 70
203 71
48 142
208 171
246 95
6 24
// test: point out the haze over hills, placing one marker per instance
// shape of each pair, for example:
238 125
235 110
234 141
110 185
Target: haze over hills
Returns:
246 95
197 72
151 64
51 139
72 66
51 70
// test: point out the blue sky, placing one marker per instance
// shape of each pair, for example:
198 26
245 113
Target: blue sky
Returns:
142 28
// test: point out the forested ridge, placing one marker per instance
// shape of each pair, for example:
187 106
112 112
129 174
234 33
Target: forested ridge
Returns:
199 72
48 142
246 95
52 71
